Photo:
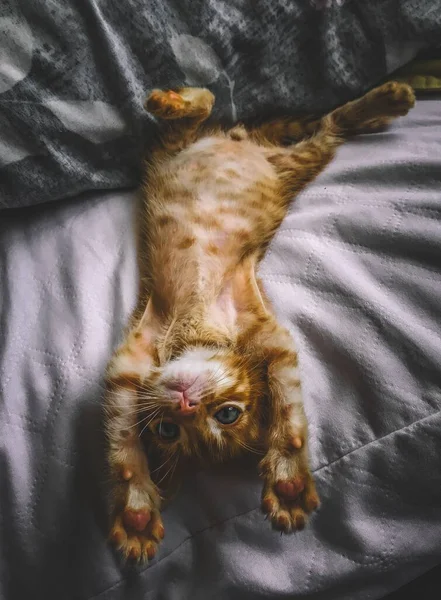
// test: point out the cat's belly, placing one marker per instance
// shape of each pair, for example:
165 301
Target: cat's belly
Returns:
214 209
222 165
221 184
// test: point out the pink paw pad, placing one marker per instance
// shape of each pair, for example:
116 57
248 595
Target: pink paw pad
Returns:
136 519
290 489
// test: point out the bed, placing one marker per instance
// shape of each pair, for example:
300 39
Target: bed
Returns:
354 272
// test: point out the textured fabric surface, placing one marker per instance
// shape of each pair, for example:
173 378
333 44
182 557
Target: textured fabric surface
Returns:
355 272
74 74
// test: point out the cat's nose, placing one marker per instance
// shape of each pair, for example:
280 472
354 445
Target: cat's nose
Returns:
187 406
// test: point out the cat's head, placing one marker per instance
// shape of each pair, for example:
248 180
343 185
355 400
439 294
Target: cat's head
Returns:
204 394
206 402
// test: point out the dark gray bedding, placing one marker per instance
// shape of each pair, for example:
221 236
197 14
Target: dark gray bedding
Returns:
74 73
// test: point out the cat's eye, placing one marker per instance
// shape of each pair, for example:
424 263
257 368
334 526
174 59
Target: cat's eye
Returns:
228 415
167 431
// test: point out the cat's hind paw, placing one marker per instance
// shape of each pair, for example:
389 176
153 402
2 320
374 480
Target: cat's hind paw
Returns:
177 104
137 534
136 526
289 495
289 502
166 104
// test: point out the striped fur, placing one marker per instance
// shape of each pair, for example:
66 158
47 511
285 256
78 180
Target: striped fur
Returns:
203 337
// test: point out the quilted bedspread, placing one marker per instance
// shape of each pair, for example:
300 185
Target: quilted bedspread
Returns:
355 272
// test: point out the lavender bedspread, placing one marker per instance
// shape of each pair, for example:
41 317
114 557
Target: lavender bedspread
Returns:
356 272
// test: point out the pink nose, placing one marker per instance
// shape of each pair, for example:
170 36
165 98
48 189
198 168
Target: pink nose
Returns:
187 406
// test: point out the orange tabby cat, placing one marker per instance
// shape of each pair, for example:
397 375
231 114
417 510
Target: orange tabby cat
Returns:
205 369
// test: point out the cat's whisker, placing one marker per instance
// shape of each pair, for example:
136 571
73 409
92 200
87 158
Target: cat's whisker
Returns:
252 450
145 413
148 423
148 400
163 464
141 389
141 409
139 394
174 468
175 463
247 447
144 419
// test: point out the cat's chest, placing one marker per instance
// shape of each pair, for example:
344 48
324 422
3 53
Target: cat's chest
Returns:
218 165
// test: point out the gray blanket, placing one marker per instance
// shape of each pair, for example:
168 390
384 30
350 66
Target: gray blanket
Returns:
355 271
74 74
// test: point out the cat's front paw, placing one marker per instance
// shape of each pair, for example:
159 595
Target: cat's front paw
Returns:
137 527
289 493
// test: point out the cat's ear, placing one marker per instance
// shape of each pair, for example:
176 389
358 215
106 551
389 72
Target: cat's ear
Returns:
151 323
239 301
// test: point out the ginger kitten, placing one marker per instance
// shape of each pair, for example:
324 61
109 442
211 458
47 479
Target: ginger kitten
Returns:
205 370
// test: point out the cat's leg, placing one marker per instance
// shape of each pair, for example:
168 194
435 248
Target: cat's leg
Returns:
289 493
182 111
300 164
136 526
375 109
371 112
279 132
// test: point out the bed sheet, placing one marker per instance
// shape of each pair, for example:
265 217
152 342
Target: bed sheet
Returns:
355 271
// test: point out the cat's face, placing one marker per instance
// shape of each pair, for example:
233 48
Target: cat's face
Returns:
205 402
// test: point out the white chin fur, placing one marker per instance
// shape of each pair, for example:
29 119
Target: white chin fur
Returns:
198 364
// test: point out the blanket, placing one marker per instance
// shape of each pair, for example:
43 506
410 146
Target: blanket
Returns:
355 273
74 74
